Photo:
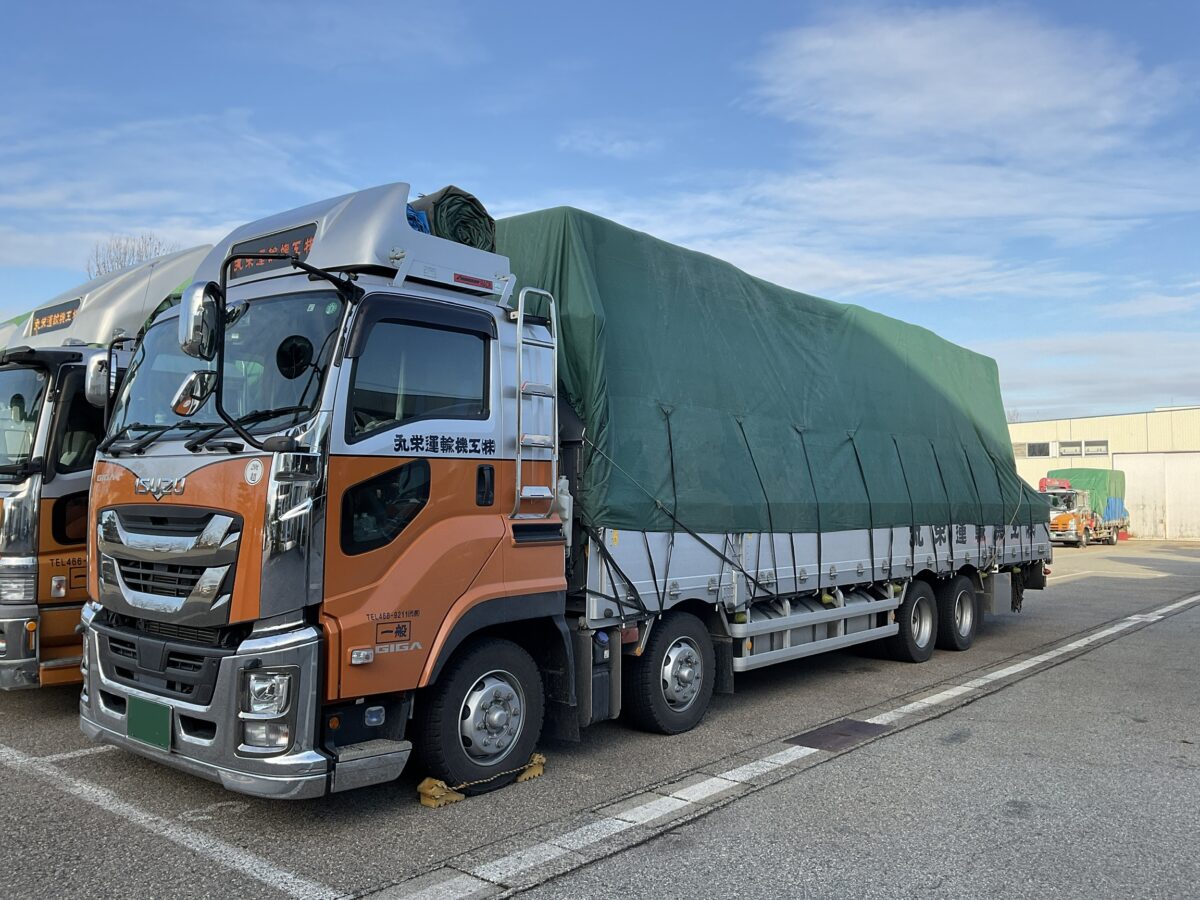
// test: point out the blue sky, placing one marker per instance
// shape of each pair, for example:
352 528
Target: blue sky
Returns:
1022 179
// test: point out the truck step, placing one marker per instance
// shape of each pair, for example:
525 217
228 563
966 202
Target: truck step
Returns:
371 762
543 441
536 492
533 389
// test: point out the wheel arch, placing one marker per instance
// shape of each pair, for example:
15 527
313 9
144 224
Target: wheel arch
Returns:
535 622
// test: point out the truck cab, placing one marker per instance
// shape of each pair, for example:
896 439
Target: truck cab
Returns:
49 432
1072 520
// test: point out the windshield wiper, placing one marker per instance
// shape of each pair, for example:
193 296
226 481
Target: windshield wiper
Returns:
121 432
140 445
250 418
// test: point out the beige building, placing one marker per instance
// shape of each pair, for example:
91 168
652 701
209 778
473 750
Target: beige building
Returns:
1159 452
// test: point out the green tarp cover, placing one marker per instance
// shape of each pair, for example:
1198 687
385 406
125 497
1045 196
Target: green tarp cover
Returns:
736 405
1105 487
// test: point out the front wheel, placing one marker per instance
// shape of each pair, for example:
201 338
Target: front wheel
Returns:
668 688
958 618
481 721
918 621
1086 539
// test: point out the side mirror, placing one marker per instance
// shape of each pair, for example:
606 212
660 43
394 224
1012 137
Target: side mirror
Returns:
193 392
198 320
96 383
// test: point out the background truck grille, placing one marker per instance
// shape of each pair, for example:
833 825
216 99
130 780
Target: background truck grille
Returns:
162 579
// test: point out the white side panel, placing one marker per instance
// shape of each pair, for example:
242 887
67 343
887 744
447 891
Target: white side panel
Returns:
1162 494
739 570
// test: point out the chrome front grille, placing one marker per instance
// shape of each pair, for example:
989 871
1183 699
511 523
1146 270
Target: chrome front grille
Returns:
171 564
162 579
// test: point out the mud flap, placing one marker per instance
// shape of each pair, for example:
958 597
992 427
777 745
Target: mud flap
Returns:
723 648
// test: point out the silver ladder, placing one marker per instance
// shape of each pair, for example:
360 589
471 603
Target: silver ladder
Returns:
534 443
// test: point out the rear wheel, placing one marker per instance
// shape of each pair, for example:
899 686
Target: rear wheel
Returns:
668 688
1113 535
483 717
958 613
918 621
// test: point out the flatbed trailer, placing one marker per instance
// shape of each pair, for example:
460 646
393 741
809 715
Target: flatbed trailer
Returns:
378 514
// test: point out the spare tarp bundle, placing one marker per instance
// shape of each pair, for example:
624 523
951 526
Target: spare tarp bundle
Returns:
454 214
1105 487
718 402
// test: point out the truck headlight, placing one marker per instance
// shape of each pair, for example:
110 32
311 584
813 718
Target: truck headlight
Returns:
267 693
18 588
271 735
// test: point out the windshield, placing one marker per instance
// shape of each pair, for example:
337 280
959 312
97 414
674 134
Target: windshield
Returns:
276 352
1062 501
20 402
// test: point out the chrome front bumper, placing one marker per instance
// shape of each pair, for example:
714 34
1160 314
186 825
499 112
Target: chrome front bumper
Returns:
18 662
207 740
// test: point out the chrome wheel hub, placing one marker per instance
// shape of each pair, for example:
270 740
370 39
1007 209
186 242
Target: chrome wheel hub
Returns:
491 719
921 622
682 674
964 613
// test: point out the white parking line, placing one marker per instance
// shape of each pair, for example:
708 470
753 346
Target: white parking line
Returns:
76 754
218 851
523 860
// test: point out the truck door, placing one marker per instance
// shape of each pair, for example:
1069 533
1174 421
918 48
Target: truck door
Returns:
75 430
413 511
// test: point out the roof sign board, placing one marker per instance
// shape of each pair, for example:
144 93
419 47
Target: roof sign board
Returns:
296 242
54 318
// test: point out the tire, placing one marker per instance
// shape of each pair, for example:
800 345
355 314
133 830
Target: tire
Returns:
1086 539
1113 535
668 688
958 613
494 686
918 621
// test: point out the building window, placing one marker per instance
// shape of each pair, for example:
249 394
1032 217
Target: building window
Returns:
1038 450
1095 448
1070 448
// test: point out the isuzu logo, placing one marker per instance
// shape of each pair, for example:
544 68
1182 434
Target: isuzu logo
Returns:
159 487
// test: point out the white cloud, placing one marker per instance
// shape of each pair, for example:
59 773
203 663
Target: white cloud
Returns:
1090 372
991 81
594 141
189 179
1149 306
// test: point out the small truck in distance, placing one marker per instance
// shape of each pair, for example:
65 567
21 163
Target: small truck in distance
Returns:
1086 505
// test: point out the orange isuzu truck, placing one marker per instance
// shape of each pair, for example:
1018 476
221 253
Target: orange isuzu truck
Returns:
364 493
49 431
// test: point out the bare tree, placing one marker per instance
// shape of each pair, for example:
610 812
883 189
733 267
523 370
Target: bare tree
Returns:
1014 415
122 250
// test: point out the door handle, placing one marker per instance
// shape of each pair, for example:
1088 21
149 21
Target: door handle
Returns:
485 485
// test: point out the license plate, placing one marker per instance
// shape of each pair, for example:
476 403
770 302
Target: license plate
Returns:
149 723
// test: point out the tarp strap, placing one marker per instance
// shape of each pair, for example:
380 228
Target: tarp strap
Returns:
912 508
662 507
870 505
949 512
816 498
979 504
615 569
767 500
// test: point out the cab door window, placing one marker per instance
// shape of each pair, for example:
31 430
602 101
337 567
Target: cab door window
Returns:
408 372
79 430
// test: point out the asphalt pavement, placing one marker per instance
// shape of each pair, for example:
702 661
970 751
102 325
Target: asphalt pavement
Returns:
1032 764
